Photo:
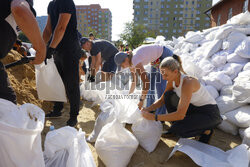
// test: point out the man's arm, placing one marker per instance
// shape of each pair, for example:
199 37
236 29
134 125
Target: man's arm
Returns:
60 29
27 22
96 64
47 32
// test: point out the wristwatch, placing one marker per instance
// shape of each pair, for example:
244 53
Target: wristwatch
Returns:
156 117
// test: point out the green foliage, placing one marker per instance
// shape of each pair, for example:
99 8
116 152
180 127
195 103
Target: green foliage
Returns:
135 34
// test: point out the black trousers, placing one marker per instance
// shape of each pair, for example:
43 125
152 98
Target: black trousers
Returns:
197 119
7 40
67 63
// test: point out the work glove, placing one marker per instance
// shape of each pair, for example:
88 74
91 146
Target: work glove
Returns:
91 78
50 52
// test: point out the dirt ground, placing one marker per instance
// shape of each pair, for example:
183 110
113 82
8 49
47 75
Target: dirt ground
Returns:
23 81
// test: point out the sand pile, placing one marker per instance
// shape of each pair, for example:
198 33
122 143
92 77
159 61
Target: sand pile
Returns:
23 81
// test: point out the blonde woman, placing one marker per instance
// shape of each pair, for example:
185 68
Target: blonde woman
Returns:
191 109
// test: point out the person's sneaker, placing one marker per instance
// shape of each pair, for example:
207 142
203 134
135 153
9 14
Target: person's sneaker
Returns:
53 115
206 138
72 122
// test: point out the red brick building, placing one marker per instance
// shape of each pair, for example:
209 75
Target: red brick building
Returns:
226 9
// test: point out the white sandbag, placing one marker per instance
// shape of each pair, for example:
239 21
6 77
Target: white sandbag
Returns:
193 37
240 117
243 49
227 126
244 30
226 104
241 91
106 116
243 76
242 18
148 133
234 39
49 83
213 92
94 92
115 145
213 48
67 147
246 67
206 66
232 69
126 110
191 69
207 156
219 59
234 58
20 135
217 79
223 32
226 91
246 137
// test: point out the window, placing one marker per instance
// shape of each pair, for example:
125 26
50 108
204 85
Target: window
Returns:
181 5
166 31
191 21
146 12
167 6
197 25
145 0
180 25
145 6
174 25
162 6
192 15
175 12
176 6
207 18
186 2
167 12
179 31
137 0
185 28
185 21
192 2
218 21
151 3
186 15
151 9
166 18
167 25
198 18
161 31
198 5
174 30
245 6
181 12
207 25
198 12
175 18
180 18
230 13
161 19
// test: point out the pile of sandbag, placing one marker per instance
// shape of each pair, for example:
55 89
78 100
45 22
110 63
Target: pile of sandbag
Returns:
220 58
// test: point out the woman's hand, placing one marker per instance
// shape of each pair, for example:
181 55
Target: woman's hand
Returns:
148 115
145 109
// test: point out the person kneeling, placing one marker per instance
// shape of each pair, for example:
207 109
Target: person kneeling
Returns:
191 109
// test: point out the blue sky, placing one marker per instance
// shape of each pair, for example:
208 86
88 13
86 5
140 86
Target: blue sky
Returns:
122 11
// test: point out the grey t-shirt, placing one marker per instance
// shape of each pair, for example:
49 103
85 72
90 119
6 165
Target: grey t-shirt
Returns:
106 48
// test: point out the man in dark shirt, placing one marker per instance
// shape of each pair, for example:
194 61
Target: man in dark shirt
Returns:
101 51
61 37
21 13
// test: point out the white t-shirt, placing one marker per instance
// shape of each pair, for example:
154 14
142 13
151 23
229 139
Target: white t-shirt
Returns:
146 54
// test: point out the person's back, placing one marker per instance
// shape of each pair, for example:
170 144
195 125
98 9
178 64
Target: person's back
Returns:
106 48
70 36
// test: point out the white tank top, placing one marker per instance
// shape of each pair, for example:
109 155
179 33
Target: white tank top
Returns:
199 98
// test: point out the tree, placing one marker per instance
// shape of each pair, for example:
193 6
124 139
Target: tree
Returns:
23 37
134 34
90 29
